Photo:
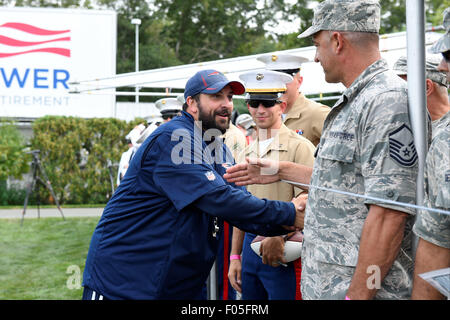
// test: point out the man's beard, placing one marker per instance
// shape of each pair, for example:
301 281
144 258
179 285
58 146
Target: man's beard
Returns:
209 120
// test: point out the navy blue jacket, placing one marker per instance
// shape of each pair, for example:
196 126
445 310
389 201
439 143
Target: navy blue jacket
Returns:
155 237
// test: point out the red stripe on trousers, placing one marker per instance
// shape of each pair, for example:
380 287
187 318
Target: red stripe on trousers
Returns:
298 277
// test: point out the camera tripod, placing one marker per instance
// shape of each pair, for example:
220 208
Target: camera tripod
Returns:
38 171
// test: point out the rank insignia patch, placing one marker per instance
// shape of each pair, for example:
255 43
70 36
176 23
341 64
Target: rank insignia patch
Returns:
401 146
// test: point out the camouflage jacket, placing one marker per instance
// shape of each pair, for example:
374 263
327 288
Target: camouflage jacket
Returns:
440 124
366 148
431 226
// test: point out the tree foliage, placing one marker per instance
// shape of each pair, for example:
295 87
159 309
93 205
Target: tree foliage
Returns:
13 161
63 142
177 32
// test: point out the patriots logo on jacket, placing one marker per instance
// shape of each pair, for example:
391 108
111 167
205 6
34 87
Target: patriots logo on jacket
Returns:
210 175
401 146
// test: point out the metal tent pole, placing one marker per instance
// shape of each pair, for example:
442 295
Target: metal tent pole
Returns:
415 38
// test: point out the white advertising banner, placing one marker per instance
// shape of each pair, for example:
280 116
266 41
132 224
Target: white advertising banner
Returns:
42 50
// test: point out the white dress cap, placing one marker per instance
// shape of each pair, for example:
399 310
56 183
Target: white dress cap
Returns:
282 61
265 81
169 104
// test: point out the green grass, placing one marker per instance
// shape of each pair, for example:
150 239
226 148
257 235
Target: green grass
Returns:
47 206
35 258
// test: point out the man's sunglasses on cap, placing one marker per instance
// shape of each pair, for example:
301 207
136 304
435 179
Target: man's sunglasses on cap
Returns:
265 103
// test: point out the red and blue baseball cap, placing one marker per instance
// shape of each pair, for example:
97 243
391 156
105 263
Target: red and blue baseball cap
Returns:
209 82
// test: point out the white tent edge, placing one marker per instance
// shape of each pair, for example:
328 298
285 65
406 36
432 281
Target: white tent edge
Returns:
392 46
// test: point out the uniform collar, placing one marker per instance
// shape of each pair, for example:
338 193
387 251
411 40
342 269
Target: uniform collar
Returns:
445 119
362 80
297 109
278 144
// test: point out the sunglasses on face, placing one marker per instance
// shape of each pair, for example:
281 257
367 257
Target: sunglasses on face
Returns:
446 56
265 103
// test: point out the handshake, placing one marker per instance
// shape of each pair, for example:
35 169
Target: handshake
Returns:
300 206
265 171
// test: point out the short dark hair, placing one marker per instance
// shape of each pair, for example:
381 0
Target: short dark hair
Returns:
195 97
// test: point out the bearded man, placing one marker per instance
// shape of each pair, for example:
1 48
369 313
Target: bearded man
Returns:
158 235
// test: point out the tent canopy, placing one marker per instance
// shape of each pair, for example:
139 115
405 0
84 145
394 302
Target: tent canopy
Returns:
392 46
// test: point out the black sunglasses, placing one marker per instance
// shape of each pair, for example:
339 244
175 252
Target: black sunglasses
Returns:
265 103
446 56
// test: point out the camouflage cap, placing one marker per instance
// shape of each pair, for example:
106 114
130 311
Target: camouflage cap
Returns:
443 44
431 71
400 66
345 15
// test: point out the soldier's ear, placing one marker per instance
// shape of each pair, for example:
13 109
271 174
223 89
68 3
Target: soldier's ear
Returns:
337 41
430 87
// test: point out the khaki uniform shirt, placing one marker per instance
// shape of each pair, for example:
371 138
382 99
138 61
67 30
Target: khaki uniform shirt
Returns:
366 148
235 140
286 146
308 116
432 226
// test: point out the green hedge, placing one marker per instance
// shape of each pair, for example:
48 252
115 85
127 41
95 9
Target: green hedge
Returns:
61 141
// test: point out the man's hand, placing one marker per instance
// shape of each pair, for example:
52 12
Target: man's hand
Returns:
253 171
272 251
234 274
300 206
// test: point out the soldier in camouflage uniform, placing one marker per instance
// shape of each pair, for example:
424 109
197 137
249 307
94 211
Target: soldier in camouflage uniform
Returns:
433 229
357 248
443 45
436 90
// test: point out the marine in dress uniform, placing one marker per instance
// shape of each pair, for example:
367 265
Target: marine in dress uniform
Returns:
158 235
132 138
302 115
275 141
236 142
169 107
366 147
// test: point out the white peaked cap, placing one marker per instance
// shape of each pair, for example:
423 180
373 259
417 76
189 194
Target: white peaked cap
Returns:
169 104
265 81
282 61
135 134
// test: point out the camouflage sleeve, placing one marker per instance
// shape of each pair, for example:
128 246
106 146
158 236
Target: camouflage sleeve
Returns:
431 226
388 155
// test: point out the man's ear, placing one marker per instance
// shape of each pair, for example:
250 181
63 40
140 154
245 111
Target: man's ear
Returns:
283 106
192 105
300 80
429 87
337 41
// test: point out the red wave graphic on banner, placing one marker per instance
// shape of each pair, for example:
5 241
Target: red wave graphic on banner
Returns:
60 51
17 43
42 33
32 29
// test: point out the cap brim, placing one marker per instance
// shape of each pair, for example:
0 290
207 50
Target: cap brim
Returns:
237 87
400 73
262 96
442 45
309 32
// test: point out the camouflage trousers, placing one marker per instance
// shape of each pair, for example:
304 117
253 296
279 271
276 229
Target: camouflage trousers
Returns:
330 281
322 280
